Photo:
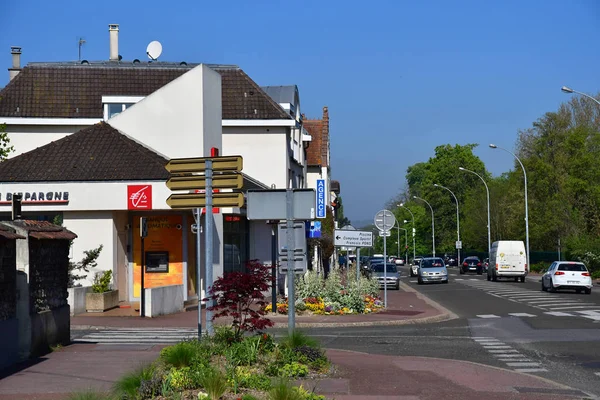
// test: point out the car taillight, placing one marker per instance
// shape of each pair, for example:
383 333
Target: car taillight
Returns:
559 273
496 267
479 264
526 267
585 274
465 264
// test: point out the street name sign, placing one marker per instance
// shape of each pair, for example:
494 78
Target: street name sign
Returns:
198 164
198 200
353 238
192 182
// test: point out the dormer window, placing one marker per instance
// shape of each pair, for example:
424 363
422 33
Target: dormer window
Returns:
114 105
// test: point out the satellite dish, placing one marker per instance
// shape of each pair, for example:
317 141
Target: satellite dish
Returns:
154 50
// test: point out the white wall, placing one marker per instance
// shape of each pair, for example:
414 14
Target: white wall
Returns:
93 228
264 152
25 138
181 119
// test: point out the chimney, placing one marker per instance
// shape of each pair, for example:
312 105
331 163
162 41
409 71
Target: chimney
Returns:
113 30
325 137
16 62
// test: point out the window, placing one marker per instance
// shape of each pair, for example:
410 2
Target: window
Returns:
114 105
114 109
235 243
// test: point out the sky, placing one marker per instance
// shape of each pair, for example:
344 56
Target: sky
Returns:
399 77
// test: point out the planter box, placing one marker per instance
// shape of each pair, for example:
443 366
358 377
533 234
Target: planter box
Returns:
100 302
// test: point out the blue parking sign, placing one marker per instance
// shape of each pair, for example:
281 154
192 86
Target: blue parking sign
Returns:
315 229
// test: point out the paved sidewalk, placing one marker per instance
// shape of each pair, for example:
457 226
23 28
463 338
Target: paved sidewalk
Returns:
405 306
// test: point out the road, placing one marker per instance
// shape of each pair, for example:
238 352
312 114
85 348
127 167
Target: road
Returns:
503 324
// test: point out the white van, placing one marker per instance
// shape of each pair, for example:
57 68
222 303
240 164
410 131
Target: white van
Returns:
508 259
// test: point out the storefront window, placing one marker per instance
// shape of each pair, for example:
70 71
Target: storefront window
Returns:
235 246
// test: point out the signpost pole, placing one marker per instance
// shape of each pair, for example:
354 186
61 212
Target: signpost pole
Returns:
273 266
143 234
198 272
208 243
357 264
384 265
290 260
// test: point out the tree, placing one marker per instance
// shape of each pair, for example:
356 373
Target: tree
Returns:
5 147
341 219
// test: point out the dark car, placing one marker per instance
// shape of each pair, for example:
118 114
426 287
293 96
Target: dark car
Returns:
471 264
450 261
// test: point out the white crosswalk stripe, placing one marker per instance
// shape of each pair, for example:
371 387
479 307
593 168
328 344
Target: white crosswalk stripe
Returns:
138 336
553 304
511 357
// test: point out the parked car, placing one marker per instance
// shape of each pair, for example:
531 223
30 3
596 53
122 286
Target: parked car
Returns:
432 269
508 260
391 274
399 261
450 261
471 264
414 268
567 275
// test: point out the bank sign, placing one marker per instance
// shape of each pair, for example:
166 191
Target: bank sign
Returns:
321 204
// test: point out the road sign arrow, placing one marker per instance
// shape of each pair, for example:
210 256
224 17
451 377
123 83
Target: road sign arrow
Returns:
220 181
338 237
195 200
189 165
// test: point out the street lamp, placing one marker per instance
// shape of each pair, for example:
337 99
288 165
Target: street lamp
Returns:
571 91
432 223
487 190
493 146
413 228
405 242
457 221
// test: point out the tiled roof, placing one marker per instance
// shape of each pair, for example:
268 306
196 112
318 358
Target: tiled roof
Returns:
75 91
318 150
41 229
313 153
9 233
97 153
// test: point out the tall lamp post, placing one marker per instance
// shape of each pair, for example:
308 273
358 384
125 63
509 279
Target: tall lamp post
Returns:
571 91
405 244
493 146
413 228
457 221
487 190
432 223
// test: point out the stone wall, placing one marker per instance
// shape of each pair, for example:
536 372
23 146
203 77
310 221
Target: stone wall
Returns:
49 274
8 280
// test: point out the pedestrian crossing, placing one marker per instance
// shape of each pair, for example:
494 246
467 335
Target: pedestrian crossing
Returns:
137 336
509 356
593 315
566 305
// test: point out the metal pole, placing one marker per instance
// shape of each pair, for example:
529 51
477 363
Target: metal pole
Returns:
273 267
457 219
398 240
432 223
198 271
289 197
143 292
384 264
487 191
208 242
357 264
406 245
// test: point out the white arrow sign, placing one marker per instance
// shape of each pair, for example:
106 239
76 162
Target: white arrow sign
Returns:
353 238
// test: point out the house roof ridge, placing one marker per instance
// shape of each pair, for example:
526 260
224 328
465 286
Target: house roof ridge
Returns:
283 114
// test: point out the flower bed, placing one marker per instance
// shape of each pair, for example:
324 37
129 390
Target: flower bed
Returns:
339 294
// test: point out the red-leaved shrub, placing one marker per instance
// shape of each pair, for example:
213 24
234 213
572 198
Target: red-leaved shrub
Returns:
240 295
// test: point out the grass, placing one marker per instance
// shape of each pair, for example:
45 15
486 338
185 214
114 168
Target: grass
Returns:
89 395
214 383
299 339
129 384
283 390
180 355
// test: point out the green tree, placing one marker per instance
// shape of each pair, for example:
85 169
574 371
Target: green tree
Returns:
5 147
340 217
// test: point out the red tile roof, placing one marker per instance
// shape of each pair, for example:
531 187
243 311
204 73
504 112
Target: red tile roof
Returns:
75 91
318 150
41 229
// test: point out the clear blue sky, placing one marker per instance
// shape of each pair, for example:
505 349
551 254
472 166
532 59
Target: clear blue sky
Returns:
399 77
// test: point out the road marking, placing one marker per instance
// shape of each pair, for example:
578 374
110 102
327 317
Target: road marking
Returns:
545 301
509 355
559 314
413 281
482 337
512 359
485 340
488 316
584 305
527 370
597 373
592 317
502 351
503 347
589 312
523 364
522 314
459 279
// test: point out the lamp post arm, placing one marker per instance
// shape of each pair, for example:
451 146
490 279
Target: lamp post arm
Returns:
588 96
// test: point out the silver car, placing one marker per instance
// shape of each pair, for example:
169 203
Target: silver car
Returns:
392 275
432 269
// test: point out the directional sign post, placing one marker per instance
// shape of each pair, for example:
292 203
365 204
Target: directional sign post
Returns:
353 238
204 179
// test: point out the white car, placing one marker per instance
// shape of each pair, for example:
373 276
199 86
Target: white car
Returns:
399 261
567 275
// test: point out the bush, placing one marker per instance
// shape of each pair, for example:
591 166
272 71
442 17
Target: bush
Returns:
294 370
127 387
299 339
102 282
310 353
235 293
283 390
181 354
214 383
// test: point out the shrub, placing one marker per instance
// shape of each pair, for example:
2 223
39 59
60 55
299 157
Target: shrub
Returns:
151 387
214 383
248 397
87 262
294 370
235 293
102 282
283 390
180 355
311 353
182 378
128 385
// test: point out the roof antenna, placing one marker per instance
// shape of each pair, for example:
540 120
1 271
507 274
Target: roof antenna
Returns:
154 50
80 43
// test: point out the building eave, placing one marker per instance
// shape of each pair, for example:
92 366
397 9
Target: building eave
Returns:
259 122
49 121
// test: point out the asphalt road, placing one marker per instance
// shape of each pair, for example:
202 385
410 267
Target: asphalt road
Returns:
503 324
